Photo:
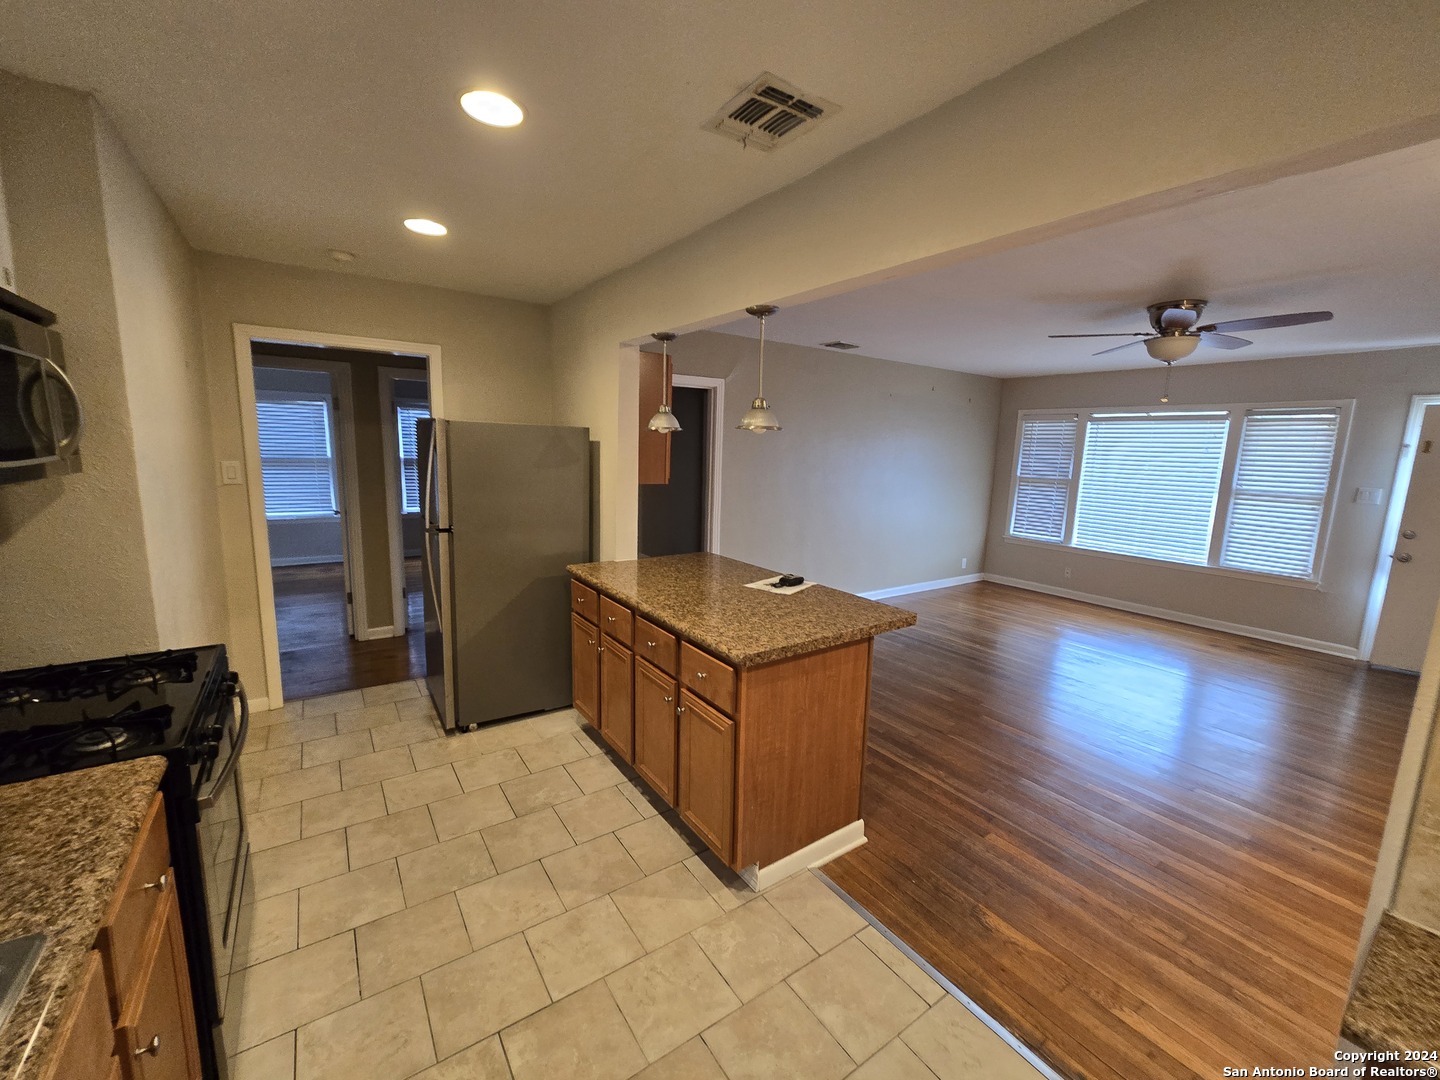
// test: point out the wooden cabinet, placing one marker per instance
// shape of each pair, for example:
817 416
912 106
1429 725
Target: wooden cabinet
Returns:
656 728
131 1014
655 380
616 620
707 774
712 679
157 1029
585 668
617 715
660 647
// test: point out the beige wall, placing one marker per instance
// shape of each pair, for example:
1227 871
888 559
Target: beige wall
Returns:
879 478
72 547
1381 384
154 278
495 367
1074 136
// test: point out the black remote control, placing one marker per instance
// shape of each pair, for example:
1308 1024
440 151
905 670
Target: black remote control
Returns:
788 581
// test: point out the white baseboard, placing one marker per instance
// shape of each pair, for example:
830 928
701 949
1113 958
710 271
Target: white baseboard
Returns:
1329 648
922 586
837 843
375 633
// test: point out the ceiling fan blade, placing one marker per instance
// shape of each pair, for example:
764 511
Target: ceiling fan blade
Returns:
1268 322
1223 341
1117 348
1136 334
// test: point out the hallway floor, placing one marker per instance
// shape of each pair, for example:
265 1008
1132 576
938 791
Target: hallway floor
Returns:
318 656
508 903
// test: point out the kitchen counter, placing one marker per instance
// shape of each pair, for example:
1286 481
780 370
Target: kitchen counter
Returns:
1396 1004
64 841
703 597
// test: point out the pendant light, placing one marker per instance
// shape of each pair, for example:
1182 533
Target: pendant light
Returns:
759 417
664 420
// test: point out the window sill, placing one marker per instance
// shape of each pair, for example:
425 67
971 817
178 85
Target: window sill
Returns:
1312 584
324 515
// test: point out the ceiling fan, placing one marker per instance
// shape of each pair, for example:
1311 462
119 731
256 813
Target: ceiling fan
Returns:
1176 335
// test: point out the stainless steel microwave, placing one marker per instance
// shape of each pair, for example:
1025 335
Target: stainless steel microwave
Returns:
40 414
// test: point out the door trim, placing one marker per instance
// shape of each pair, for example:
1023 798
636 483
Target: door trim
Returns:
1394 511
713 451
243 334
400 621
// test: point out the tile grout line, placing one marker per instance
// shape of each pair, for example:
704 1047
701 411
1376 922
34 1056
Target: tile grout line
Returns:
1030 1057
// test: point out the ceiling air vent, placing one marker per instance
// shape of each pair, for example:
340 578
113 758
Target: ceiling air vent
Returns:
770 112
838 345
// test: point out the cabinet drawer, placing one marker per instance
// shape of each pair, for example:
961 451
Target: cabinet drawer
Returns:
616 620
584 601
85 1043
712 679
144 883
658 646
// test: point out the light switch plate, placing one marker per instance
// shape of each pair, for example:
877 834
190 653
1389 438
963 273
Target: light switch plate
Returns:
230 473
1369 496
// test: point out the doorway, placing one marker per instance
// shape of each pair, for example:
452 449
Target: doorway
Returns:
1410 550
673 515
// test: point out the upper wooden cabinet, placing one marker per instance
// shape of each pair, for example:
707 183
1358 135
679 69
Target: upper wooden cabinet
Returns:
654 445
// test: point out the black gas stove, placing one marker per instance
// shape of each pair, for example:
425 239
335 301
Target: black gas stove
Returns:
187 707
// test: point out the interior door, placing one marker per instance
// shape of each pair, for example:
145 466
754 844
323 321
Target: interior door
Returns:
343 508
1413 593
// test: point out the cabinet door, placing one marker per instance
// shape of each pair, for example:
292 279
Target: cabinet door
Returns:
157 1030
617 714
656 728
85 1043
654 445
707 774
585 668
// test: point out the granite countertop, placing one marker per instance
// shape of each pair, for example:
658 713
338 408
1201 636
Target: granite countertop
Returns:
63 841
703 597
1396 1004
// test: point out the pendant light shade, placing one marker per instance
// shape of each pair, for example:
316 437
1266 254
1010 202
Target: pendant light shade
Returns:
664 420
759 417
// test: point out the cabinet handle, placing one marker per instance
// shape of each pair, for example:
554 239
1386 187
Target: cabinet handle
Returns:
701 675
161 885
609 618
668 700
152 1048
600 649
679 709
650 644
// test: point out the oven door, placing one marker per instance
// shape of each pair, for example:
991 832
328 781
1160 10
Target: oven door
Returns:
224 839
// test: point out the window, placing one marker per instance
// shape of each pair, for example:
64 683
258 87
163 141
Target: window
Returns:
296 456
1233 487
406 415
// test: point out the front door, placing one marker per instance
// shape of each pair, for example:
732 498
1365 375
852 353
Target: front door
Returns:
1413 593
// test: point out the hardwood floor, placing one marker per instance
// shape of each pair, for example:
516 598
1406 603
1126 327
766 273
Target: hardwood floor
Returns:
317 656
1143 848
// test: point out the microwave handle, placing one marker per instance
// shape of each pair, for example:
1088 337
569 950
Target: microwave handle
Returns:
207 802
65 442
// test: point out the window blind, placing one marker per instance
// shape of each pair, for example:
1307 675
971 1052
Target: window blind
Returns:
296 456
1149 485
1282 479
406 417
1045 463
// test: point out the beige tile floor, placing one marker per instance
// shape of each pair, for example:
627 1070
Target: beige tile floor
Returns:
511 903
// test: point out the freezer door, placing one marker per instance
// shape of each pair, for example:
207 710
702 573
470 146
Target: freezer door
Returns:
520 510
435 568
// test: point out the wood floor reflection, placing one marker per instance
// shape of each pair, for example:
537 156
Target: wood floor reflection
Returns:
1144 848
317 656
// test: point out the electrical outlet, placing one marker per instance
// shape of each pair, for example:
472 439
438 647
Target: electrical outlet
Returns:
964 564
230 473
1369 496
1067 573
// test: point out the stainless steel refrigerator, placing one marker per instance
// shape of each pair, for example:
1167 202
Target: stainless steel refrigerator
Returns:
506 507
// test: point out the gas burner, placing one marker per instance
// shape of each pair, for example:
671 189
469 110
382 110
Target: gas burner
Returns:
102 740
111 679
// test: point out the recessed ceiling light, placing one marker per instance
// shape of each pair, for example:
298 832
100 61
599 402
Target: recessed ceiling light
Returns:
341 256
491 108
425 227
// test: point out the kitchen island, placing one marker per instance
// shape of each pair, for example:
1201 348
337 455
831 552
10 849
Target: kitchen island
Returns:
745 709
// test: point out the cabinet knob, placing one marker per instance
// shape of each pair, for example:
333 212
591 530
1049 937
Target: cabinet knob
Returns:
592 641
679 709
650 644
700 675
668 700
161 885
609 618
152 1048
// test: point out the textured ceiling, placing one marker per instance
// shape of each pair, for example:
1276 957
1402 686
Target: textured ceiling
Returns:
278 130
1361 240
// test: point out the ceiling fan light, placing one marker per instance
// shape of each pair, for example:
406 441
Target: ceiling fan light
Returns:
759 417
664 420
1171 347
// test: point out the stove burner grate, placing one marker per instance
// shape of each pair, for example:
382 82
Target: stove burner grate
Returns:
102 740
